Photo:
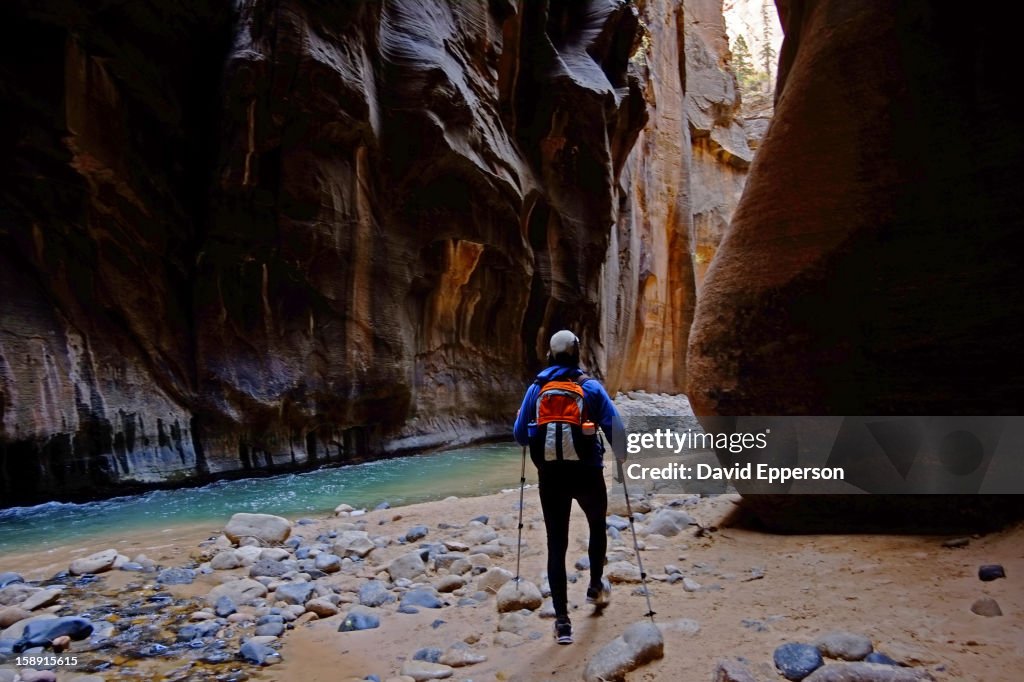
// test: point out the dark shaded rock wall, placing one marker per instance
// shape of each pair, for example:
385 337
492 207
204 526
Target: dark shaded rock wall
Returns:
110 125
871 266
242 237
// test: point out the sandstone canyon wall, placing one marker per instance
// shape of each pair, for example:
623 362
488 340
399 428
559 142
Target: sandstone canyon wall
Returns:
675 204
244 236
871 267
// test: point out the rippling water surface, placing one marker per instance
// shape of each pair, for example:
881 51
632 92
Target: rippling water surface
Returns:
477 470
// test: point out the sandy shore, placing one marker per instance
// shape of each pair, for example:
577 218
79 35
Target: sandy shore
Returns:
910 595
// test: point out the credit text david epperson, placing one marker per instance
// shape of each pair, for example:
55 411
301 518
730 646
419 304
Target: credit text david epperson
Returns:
738 472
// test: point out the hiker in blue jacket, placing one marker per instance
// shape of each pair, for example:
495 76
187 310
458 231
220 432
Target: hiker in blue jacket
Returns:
558 420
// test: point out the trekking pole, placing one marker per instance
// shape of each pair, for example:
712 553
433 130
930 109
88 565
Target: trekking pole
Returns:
636 546
519 540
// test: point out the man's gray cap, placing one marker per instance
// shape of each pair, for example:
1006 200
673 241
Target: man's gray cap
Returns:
564 342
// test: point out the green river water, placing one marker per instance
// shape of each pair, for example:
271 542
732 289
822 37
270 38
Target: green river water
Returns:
464 472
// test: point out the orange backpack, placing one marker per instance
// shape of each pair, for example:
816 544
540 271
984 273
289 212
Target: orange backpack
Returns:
563 402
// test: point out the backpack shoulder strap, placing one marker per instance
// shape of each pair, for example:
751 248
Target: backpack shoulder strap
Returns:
580 380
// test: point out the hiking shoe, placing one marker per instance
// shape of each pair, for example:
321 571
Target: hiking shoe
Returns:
600 595
563 630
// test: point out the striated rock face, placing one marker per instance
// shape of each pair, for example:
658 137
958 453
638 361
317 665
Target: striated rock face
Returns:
363 276
869 267
648 278
679 187
720 151
284 232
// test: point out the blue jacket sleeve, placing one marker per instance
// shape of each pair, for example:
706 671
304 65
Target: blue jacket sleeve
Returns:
526 411
604 414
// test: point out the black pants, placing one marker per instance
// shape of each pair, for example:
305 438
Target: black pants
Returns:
560 484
